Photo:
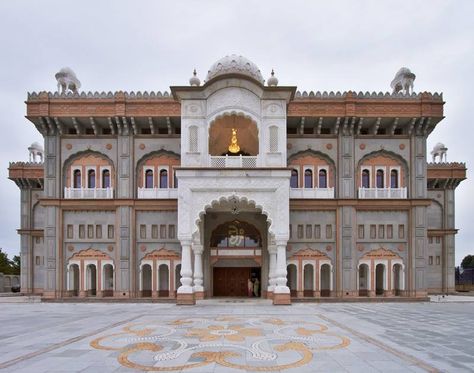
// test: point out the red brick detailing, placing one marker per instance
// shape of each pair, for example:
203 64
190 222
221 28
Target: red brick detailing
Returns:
381 253
108 146
155 162
385 162
315 161
84 163
185 299
281 299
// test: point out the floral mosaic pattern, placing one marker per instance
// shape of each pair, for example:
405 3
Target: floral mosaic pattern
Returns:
256 344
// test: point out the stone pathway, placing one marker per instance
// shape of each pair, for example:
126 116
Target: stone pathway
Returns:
231 336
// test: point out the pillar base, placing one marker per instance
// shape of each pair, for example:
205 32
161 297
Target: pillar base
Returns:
99 294
185 299
154 294
82 294
269 295
281 299
199 295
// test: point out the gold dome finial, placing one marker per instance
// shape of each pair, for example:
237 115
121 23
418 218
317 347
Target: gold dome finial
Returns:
234 146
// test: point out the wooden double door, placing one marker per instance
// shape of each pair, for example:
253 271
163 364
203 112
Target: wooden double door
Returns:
231 281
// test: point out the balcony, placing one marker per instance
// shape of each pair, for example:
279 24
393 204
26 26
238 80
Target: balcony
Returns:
383 193
88 193
233 161
157 193
312 193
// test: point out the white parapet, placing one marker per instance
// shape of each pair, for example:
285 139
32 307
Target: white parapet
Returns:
157 193
383 193
312 193
88 193
233 161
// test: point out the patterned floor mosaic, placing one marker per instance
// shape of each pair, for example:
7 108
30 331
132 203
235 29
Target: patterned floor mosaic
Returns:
216 337
262 344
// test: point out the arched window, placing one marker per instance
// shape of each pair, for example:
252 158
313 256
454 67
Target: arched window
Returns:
323 179
380 175
308 178
106 179
163 179
148 179
91 179
365 179
394 179
77 179
294 179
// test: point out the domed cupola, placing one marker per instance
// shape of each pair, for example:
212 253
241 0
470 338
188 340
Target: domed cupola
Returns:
235 64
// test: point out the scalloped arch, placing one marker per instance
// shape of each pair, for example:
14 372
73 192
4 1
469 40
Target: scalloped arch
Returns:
228 198
388 154
157 153
315 153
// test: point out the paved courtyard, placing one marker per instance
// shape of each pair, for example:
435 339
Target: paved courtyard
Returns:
231 336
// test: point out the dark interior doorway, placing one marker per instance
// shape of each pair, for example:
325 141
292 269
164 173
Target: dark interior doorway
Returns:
237 282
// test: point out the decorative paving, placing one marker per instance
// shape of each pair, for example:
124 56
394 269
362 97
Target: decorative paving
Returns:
258 343
218 336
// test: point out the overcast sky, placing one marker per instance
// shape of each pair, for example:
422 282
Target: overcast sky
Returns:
317 45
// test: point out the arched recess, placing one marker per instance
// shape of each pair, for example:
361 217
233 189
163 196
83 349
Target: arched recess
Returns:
364 280
292 279
220 134
157 161
315 161
85 161
308 280
91 263
386 160
435 215
381 262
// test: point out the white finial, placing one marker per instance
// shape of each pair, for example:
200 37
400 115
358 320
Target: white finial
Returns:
194 80
272 80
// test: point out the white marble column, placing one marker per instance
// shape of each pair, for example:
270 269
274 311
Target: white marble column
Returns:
280 273
198 270
272 252
186 269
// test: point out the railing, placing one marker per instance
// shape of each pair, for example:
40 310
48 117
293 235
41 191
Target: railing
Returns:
311 193
382 193
157 193
88 193
233 161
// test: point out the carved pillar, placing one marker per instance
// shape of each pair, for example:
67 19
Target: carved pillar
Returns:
272 252
198 272
185 291
281 292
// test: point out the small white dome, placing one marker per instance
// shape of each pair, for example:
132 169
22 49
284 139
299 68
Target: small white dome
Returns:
194 80
36 146
235 64
272 80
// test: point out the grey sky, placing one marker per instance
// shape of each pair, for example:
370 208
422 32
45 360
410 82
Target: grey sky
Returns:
150 45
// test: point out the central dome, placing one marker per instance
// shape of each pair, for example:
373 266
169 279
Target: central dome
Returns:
235 64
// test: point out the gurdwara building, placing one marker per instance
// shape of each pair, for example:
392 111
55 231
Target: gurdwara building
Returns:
236 187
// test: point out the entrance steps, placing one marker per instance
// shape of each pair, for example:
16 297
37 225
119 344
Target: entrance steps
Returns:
241 301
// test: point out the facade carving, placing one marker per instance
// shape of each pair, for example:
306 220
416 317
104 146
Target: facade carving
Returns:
323 194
